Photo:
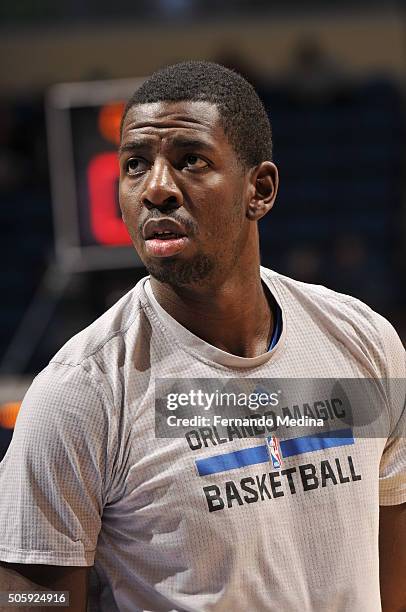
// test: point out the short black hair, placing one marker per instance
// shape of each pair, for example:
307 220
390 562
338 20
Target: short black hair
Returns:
243 116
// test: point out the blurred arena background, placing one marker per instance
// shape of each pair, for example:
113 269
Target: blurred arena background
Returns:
332 78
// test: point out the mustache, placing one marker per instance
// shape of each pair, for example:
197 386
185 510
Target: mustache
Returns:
189 225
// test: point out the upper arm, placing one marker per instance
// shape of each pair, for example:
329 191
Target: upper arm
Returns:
392 480
21 577
392 557
52 479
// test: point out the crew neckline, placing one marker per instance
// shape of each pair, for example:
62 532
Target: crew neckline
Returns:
201 349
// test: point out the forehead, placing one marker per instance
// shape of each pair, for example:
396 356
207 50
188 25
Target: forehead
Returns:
166 119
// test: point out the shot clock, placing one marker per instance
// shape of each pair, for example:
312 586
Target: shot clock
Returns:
83 121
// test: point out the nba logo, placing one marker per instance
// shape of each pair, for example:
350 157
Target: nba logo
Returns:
274 451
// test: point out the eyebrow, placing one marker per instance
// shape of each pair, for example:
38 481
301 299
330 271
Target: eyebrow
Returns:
181 142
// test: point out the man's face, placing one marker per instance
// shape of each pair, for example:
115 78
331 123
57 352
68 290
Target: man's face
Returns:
182 192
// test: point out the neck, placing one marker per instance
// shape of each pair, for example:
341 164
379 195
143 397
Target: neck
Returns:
234 315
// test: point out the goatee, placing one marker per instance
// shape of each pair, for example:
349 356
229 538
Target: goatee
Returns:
182 273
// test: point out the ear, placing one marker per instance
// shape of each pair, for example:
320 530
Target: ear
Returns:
264 183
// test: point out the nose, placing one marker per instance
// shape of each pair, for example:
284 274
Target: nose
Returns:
160 188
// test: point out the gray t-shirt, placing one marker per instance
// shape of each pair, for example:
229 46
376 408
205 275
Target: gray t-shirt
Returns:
203 522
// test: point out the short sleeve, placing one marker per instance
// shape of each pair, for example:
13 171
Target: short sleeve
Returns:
392 471
52 477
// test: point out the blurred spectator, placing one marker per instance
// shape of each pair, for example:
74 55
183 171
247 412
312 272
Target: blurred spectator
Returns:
313 73
361 272
230 57
304 263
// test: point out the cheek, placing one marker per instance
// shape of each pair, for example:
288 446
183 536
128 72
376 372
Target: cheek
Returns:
128 199
222 230
131 217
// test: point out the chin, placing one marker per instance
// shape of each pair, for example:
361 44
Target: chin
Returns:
178 273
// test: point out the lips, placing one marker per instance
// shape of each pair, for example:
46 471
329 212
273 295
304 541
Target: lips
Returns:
164 237
163 229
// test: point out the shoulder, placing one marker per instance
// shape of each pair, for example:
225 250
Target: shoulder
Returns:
345 316
319 294
86 377
106 335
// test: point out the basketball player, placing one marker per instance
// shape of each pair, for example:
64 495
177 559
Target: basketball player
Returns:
206 521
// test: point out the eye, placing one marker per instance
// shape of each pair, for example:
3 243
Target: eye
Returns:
195 162
135 165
